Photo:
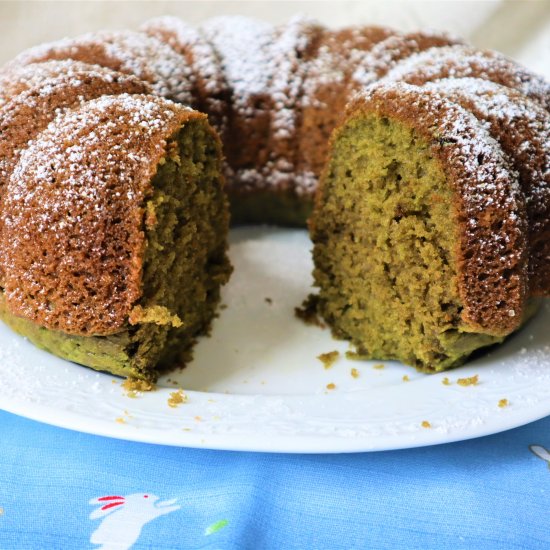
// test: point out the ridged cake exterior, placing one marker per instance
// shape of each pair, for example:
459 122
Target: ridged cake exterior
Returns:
275 95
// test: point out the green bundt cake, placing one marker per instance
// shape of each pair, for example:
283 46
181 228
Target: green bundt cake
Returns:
114 235
419 232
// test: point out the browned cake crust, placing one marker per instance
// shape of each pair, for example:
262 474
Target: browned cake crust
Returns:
124 51
343 64
248 72
465 61
17 79
327 89
28 113
294 44
276 93
210 91
389 52
264 68
492 248
522 127
74 191
76 202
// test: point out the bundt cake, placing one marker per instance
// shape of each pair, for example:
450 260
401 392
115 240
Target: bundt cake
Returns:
419 231
430 226
113 229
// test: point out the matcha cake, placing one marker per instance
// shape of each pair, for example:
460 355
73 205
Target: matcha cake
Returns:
113 220
275 93
114 235
419 232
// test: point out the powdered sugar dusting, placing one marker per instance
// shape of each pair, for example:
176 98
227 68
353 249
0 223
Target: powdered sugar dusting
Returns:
206 75
17 79
243 45
31 110
74 199
388 53
465 61
522 127
186 39
125 51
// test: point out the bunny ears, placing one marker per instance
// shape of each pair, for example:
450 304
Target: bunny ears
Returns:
108 503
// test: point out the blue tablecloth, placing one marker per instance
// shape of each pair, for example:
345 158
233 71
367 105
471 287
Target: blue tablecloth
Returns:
62 490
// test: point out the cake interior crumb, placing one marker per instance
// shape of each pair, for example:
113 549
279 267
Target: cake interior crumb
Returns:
426 424
355 373
470 381
406 378
446 381
503 403
134 386
177 398
331 386
328 359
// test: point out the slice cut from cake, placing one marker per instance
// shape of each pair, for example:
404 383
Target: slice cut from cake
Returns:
114 226
419 231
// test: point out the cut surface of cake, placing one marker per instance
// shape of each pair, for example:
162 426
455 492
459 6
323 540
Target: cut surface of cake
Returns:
114 235
419 232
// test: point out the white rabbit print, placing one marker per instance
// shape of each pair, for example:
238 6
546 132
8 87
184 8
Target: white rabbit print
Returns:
123 518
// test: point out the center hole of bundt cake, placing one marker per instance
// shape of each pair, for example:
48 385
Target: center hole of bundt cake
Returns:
184 262
385 237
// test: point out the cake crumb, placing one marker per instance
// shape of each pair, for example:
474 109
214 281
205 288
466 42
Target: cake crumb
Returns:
426 424
379 366
446 381
355 373
406 378
120 420
331 386
268 300
198 418
134 387
471 381
328 359
177 398
503 403
157 315
307 312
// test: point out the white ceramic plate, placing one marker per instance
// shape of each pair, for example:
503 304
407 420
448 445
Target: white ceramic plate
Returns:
257 385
